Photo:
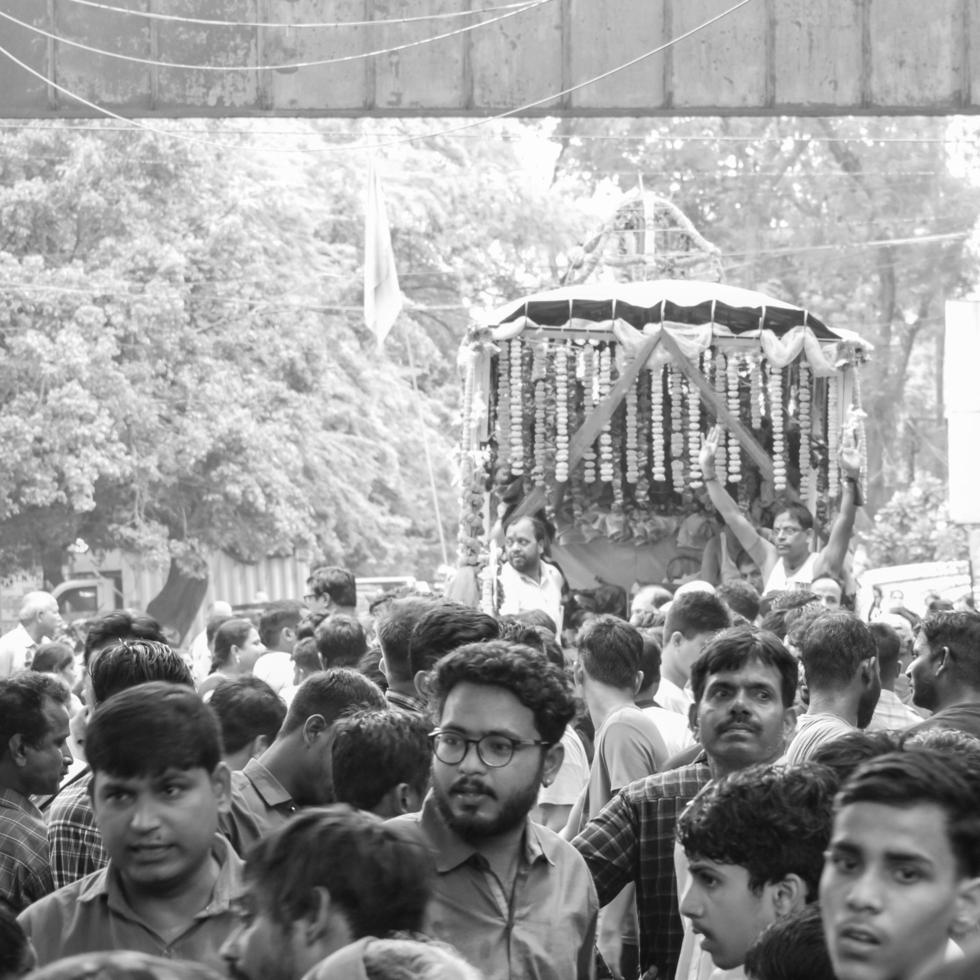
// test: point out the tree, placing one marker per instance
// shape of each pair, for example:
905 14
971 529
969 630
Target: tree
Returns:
183 365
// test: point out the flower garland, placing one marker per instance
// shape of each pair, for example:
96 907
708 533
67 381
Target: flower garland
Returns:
694 428
833 436
676 392
734 447
721 389
804 396
503 406
755 391
658 438
561 413
858 415
605 435
516 408
777 418
587 373
632 436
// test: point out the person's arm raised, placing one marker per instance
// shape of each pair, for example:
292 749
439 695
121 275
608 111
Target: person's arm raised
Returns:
759 550
835 551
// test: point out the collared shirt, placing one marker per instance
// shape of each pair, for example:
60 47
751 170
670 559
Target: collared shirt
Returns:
407 702
891 715
93 914
259 804
543 930
25 874
15 649
521 592
632 840
73 838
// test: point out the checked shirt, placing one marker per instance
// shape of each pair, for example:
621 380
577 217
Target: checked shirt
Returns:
632 840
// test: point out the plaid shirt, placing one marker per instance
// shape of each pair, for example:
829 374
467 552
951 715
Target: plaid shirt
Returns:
74 840
632 840
24 872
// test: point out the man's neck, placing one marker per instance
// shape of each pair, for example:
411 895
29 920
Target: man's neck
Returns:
531 572
670 672
962 695
602 700
169 912
403 687
793 563
841 704
280 759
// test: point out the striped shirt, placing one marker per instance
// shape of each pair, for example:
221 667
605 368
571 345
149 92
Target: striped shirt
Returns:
25 872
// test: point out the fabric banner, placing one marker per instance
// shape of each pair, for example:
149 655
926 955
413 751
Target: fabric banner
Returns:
382 295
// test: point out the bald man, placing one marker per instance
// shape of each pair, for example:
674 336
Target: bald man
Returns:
38 620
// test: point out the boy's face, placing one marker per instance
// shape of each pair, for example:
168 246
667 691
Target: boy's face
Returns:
725 911
159 829
891 891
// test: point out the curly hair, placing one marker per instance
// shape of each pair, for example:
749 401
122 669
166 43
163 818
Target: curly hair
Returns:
524 671
771 820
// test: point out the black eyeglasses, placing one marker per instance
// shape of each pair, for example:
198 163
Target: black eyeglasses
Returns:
494 751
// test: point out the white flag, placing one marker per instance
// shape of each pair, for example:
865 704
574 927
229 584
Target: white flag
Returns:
382 296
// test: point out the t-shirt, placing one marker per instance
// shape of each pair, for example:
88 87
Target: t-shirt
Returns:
812 731
779 581
673 727
674 698
572 775
276 669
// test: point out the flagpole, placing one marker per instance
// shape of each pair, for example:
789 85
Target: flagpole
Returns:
428 455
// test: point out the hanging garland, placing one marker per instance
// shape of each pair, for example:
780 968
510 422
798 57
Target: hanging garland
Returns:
503 405
694 429
605 434
833 436
734 447
561 413
755 391
721 389
589 380
676 429
632 453
516 408
658 437
858 415
778 421
804 396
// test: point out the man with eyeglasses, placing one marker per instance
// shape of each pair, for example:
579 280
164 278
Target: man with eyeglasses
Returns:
510 895
788 562
945 673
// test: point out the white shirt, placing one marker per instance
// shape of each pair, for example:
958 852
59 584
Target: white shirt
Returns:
14 649
779 581
674 698
673 727
521 592
276 669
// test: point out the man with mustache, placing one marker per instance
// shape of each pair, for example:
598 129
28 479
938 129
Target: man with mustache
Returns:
526 580
840 662
744 684
34 757
510 895
902 875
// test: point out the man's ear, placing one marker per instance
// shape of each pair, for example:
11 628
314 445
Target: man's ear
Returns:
259 744
788 895
638 683
221 784
675 639
421 681
789 724
322 920
553 758
967 915
17 747
314 727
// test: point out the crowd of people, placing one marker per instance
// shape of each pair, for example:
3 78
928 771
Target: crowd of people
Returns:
711 784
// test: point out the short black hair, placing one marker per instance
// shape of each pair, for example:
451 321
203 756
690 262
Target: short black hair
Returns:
380 880
126 663
694 613
121 624
844 753
651 659
833 648
960 631
925 776
741 597
151 728
277 616
889 646
791 948
374 751
336 582
610 650
341 641
306 656
52 656
22 697
394 630
733 648
524 671
771 820
803 517
331 693
444 627
246 707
